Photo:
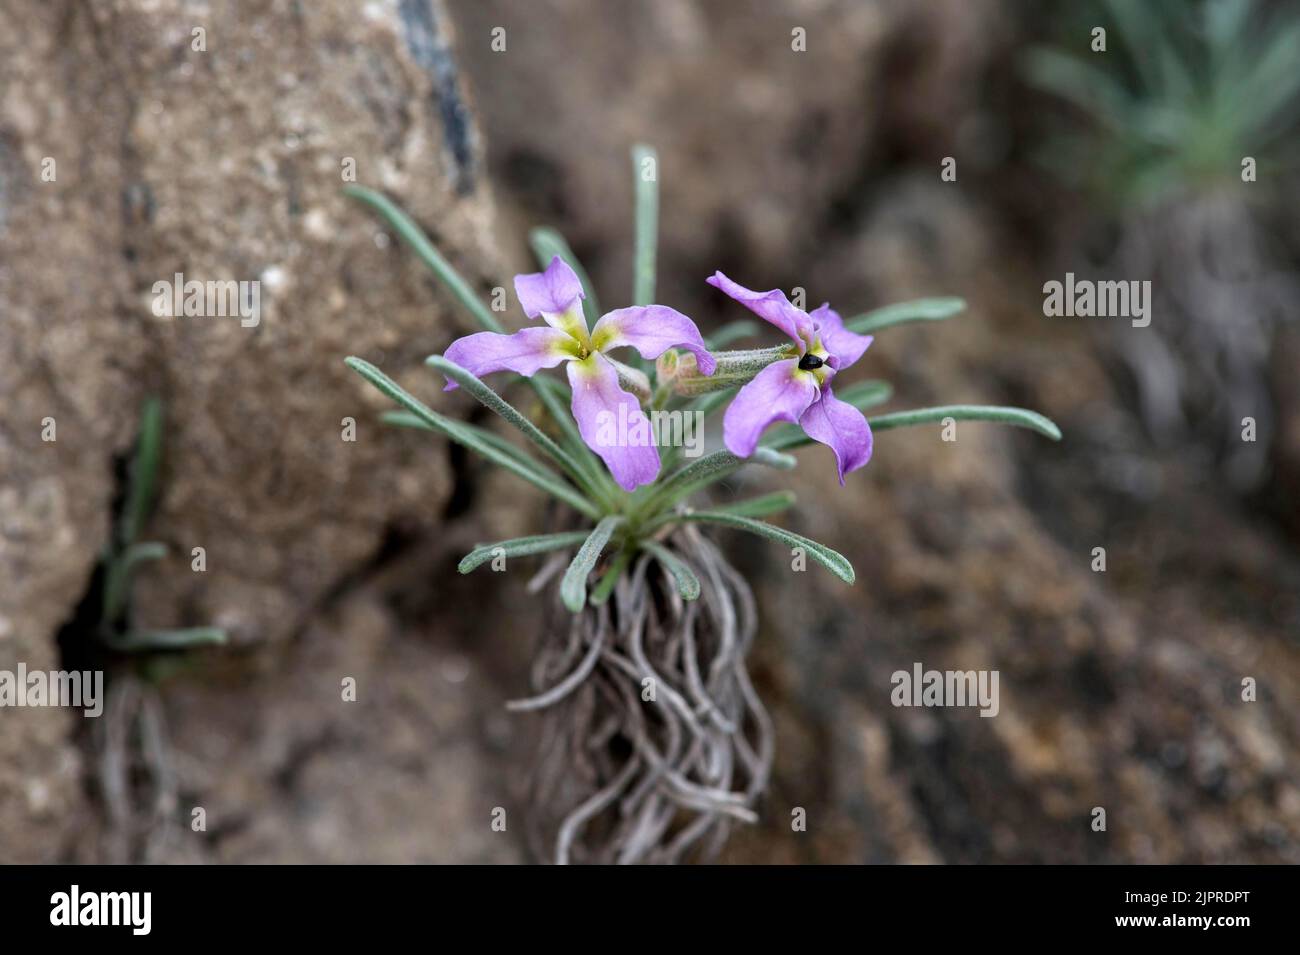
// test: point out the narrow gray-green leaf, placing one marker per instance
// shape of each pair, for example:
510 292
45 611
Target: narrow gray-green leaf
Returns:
609 580
1020 417
645 171
573 588
866 394
761 506
832 560
139 641
144 471
117 577
543 478
520 547
688 585
731 332
710 468
494 402
405 419
414 236
1092 88
901 313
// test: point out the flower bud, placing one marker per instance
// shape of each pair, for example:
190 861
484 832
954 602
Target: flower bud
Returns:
735 368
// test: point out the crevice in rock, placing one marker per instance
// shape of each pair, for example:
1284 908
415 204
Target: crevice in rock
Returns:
76 639
427 43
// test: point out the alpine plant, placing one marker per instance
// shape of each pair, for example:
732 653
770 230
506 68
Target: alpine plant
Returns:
614 477
664 607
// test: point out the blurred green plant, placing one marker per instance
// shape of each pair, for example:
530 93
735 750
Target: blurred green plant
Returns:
125 554
1198 87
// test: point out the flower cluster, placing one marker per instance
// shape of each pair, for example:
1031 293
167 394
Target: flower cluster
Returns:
644 584
796 389
630 497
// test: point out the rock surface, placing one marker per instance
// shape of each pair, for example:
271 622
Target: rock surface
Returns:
212 142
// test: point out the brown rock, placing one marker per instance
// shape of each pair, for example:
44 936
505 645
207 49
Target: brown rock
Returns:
212 144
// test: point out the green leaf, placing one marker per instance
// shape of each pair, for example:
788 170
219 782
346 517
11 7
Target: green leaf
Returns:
1273 80
862 395
414 236
547 244
731 332
138 641
520 547
609 580
902 313
144 472
832 560
117 577
541 477
405 419
645 170
1089 87
760 506
1020 417
688 585
573 588
557 386
494 402
866 393
706 470
1139 28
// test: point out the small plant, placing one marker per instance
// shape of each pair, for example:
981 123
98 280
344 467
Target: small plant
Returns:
1187 129
125 554
1191 90
131 754
661 741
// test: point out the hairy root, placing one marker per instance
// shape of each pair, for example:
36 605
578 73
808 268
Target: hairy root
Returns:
653 740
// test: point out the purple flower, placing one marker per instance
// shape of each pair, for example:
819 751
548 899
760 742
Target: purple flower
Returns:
600 405
799 389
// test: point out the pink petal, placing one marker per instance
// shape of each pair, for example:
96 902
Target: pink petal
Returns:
526 351
612 423
652 330
840 426
780 392
770 306
846 347
552 292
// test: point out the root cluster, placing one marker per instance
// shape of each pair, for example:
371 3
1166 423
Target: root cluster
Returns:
653 740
